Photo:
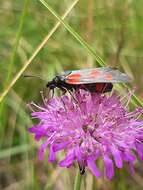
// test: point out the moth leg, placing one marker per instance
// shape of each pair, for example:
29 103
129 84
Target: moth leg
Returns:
47 93
104 88
70 92
53 91
64 90
64 105
84 87
107 88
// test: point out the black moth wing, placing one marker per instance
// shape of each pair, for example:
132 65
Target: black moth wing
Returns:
95 75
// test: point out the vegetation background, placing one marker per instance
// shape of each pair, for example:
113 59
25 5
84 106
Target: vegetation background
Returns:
113 28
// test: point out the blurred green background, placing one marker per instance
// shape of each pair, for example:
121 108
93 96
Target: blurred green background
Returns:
113 28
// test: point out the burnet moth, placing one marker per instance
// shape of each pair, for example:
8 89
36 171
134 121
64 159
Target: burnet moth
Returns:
93 80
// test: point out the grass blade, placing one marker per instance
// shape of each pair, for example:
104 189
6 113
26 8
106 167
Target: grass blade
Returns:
41 45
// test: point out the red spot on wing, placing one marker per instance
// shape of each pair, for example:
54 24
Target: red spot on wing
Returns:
99 87
73 78
108 77
95 73
73 81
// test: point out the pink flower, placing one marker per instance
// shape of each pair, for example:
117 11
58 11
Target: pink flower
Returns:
92 127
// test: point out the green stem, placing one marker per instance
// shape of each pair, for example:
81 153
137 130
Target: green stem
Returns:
94 183
78 179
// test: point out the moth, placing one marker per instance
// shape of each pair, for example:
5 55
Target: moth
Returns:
98 80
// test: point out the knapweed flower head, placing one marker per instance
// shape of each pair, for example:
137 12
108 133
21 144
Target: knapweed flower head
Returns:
89 128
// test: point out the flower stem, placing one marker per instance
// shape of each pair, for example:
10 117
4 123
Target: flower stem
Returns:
78 179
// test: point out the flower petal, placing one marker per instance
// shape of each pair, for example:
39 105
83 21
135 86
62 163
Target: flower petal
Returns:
60 146
70 157
41 154
109 167
92 166
128 156
117 157
52 155
139 148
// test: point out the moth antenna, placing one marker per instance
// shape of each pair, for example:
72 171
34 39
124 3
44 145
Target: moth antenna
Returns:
33 76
